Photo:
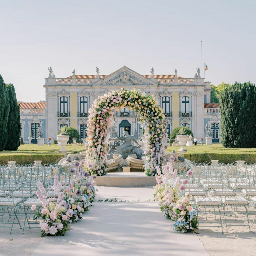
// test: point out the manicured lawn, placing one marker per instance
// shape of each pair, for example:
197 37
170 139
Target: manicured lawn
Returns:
28 153
46 149
215 148
206 153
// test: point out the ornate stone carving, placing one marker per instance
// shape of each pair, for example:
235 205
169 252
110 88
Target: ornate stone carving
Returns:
63 93
82 120
165 93
63 121
84 93
185 93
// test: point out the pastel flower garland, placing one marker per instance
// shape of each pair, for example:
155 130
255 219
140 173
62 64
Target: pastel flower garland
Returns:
101 119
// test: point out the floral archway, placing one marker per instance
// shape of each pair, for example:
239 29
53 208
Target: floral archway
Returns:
101 119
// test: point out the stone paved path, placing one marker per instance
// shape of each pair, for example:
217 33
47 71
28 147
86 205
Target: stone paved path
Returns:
136 227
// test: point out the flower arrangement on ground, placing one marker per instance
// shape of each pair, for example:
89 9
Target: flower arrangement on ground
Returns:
101 118
69 203
174 201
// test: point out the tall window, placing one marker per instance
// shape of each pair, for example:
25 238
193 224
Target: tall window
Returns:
83 106
63 106
185 106
83 131
166 104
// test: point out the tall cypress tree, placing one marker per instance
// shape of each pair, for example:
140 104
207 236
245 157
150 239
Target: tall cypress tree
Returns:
238 116
4 113
13 126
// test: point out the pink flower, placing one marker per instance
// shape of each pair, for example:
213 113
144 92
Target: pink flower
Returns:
44 211
53 215
185 200
172 158
181 207
182 187
183 213
64 217
189 208
185 181
60 226
33 207
69 213
53 230
44 226
189 173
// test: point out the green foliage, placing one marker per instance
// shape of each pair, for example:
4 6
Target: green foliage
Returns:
24 159
4 113
180 131
217 91
238 116
13 125
225 158
72 133
214 95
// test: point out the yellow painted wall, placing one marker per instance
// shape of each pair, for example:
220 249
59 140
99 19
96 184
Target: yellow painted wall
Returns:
175 110
73 110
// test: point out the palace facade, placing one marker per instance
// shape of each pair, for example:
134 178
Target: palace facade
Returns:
185 102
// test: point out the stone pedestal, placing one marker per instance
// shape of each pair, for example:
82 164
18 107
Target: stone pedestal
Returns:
37 163
189 143
29 140
11 164
40 141
240 163
126 169
208 140
214 163
84 141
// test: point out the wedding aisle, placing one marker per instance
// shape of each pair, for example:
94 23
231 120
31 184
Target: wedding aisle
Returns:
127 223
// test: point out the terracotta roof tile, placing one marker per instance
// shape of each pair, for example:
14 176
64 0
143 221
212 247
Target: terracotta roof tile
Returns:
212 105
32 105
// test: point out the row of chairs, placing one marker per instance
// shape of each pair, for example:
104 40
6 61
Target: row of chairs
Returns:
226 191
18 188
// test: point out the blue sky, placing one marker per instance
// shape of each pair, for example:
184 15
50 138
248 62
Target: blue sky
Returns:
140 34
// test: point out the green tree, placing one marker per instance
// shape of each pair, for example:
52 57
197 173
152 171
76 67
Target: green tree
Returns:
72 133
238 116
217 91
13 125
214 94
4 113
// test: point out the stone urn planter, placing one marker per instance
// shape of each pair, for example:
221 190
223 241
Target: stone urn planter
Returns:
37 163
62 142
40 141
182 139
11 164
215 163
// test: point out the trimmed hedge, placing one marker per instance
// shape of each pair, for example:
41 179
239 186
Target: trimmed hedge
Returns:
24 159
223 158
